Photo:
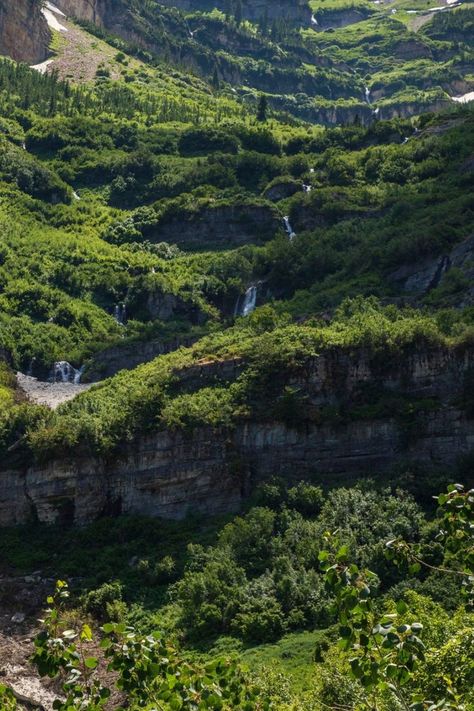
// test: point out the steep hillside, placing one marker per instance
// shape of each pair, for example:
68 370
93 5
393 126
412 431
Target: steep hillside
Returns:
236 355
301 61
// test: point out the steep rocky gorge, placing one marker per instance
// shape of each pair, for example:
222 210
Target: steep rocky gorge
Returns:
211 470
24 33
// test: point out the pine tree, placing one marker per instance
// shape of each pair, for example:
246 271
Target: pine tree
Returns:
262 108
215 79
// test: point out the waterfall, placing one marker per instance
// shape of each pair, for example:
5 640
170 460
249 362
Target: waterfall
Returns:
376 111
120 314
405 140
367 95
249 302
307 188
64 372
75 195
314 20
288 228
78 375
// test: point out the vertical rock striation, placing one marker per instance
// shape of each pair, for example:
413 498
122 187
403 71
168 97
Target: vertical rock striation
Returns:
24 32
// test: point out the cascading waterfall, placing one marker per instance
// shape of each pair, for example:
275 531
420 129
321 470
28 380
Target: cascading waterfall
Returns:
246 303
367 95
314 20
288 228
250 301
64 372
120 314
307 188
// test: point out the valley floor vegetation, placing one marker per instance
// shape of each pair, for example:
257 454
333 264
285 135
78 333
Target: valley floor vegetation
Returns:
382 584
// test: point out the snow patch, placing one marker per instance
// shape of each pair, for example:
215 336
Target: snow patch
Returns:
465 98
57 11
41 68
52 20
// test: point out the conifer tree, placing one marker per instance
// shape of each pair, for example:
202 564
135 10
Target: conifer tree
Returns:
262 108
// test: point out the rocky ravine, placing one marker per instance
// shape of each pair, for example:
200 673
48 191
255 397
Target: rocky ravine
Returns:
24 32
173 473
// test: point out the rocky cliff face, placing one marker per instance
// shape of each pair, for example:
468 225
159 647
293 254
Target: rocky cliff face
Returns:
418 279
24 33
110 13
173 473
230 225
95 11
340 18
110 361
292 10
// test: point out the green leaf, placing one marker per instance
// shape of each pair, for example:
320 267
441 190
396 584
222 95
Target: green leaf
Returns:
402 607
342 553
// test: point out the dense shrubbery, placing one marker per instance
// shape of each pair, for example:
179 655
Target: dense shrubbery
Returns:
151 397
269 571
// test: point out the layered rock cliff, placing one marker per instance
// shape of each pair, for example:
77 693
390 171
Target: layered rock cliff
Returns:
209 470
24 33
229 225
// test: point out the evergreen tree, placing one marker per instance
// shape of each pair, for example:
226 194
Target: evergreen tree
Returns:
262 108
215 79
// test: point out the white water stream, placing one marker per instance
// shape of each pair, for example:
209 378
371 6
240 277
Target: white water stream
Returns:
64 372
246 304
288 228
120 314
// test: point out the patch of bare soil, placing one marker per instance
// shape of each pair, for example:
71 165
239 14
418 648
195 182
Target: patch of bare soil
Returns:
79 54
21 604
21 599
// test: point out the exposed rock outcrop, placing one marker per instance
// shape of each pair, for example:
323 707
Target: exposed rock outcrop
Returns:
172 473
340 18
292 10
282 189
24 32
96 11
228 225
112 360
420 278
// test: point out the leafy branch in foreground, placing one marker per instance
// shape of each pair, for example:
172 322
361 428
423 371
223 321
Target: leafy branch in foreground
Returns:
386 650
148 670
456 535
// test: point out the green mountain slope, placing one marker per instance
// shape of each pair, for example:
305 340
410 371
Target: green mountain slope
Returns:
249 228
